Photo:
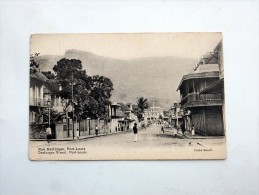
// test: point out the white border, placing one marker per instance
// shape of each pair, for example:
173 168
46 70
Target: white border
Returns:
238 20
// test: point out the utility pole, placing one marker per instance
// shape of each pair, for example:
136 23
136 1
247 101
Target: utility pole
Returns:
48 103
73 105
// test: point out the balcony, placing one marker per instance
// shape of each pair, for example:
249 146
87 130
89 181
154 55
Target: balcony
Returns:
196 99
190 97
39 102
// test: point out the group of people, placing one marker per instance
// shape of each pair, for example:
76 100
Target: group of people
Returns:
135 131
176 128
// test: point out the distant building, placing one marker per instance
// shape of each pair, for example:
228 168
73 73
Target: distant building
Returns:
203 109
176 114
153 114
121 116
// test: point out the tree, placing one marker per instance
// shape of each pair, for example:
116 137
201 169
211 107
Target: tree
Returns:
70 73
33 64
48 74
90 94
142 104
99 95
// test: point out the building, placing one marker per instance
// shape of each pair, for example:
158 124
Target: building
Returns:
130 115
116 116
176 114
203 109
153 114
46 108
38 105
218 86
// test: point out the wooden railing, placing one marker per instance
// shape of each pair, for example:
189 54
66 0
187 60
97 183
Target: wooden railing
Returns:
209 97
200 97
190 97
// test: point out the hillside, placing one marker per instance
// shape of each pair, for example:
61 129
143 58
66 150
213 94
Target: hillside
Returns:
155 78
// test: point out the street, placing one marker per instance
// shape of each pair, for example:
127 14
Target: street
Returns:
152 144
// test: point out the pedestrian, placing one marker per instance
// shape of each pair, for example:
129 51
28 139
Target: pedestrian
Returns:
77 134
183 127
48 131
135 131
162 129
175 130
96 130
193 130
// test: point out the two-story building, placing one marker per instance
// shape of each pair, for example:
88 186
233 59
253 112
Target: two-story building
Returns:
204 110
47 108
217 87
39 103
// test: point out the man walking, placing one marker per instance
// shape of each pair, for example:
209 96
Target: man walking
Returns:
48 131
96 130
135 131
77 134
162 129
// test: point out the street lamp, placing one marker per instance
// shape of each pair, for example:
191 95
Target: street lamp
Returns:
48 103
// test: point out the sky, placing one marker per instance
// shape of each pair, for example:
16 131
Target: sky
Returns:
127 46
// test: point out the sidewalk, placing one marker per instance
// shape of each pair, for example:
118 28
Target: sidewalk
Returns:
188 135
83 137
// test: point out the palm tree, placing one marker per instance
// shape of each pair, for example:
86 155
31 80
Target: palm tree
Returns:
142 104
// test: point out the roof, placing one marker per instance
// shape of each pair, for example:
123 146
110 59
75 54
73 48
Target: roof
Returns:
215 88
39 76
124 108
219 45
209 58
46 91
52 85
115 104
201 75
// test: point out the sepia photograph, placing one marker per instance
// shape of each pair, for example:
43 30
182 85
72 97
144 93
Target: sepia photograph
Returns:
127 96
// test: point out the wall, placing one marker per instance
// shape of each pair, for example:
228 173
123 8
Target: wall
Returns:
83 127
207 120
214 123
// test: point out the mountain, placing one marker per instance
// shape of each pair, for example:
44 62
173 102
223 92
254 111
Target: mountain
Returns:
155 78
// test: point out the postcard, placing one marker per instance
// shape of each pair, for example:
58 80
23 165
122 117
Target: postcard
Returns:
127 96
